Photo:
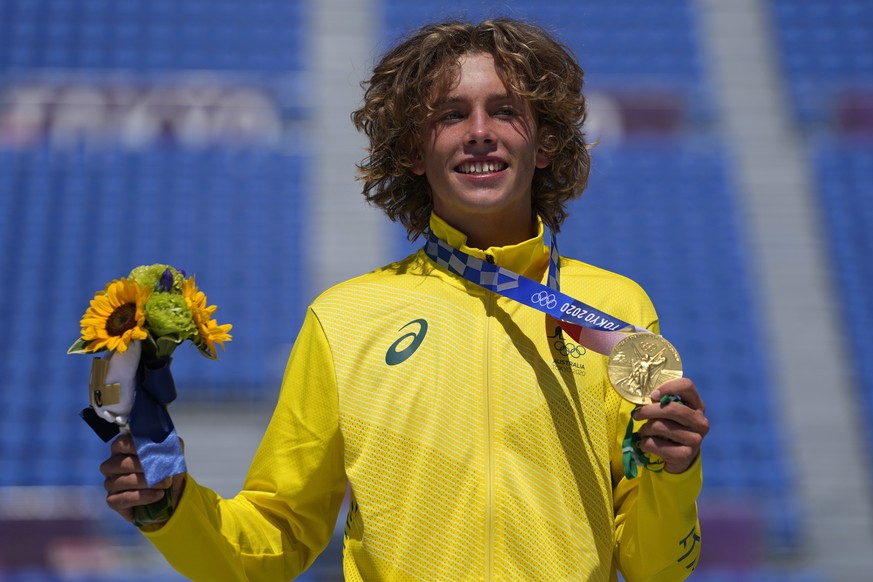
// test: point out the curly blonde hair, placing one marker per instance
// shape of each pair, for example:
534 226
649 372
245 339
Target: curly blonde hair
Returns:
409 79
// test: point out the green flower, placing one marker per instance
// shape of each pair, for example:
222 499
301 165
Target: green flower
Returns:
149 276
168 314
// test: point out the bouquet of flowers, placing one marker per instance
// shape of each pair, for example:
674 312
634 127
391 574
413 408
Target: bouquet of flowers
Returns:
139 321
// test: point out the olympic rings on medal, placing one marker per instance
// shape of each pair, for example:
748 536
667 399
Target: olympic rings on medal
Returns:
544 299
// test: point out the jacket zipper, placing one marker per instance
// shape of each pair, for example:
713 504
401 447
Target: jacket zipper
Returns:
489 436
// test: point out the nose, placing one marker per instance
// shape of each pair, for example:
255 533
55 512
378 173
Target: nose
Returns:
479 130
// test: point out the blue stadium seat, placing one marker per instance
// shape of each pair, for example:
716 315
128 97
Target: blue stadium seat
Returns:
156 35
826 48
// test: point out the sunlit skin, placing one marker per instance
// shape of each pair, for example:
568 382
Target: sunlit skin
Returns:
480 123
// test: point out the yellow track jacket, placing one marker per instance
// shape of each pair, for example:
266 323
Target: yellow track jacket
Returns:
478 442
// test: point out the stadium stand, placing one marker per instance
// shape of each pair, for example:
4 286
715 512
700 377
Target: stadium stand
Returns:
826 50
826 54
159 35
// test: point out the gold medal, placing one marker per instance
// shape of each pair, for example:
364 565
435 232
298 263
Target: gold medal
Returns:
640 363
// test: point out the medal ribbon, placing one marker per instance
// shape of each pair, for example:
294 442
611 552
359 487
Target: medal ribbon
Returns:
588 326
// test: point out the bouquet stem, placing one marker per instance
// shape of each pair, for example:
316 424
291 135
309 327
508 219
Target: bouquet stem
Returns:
154 513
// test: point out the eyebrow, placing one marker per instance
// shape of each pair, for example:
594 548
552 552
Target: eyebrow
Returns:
449 101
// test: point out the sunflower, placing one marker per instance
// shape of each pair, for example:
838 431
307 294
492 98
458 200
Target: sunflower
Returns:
210 332
115 317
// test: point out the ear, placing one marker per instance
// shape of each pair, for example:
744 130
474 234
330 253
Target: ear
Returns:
541 161
418 164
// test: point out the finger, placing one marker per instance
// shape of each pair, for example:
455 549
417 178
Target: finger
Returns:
124 482
123 502
687 413
671 431
128 491
677 458
677 413
123 445
664 448
132 482
120 464
684 388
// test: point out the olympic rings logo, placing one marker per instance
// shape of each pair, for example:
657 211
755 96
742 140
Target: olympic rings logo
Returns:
568 349
544 299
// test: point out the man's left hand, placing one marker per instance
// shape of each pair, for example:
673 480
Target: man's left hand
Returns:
675 430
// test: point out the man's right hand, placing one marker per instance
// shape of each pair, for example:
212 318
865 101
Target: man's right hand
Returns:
125 483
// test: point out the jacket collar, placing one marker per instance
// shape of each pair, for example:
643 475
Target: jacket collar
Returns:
529 258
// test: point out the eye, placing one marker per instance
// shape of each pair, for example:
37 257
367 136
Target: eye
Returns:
450 116
506 111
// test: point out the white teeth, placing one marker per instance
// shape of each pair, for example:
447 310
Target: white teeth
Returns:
480 167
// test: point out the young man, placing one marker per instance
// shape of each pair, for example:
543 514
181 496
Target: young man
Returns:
474 447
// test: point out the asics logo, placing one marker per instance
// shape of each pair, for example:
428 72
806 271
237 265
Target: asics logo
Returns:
544 299
396 356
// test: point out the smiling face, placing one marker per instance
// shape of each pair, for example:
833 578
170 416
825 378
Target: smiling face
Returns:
479 153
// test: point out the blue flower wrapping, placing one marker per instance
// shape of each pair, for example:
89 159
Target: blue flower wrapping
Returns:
155 438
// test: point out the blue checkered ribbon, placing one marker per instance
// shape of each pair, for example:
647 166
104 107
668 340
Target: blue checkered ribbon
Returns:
574 315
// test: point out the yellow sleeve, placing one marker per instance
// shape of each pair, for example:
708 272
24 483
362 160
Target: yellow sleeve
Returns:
656 523
285 515
657 530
